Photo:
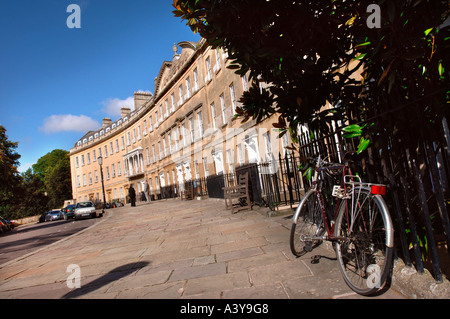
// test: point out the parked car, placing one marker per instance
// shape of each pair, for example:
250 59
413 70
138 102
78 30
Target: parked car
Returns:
4 226
13 223
85 209
68 211
42 219
53 215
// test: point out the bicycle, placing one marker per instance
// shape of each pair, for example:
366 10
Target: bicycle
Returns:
361 228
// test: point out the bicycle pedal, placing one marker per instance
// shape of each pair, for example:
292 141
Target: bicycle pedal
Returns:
315 259
308 246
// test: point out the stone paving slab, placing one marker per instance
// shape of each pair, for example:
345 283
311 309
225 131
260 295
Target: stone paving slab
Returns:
173 249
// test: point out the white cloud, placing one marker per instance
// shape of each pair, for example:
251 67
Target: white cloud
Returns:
112 106
69 122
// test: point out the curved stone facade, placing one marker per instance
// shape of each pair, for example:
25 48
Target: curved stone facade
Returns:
184 131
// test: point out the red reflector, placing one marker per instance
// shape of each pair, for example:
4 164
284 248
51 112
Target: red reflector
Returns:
378 190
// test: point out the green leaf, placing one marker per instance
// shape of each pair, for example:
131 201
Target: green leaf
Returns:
360 57
363 144
353 130
441 69
362 45
427 31
308 173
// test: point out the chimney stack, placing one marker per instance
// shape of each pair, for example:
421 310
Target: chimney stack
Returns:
106 122
140 98
125 111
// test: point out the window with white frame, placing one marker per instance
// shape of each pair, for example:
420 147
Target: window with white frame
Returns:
167 107
196 85
233 98
213 114
205 166
208 70
172 98
230 160
244 82
180 91
223 108
218 60
200 124
241 158
170 142
154 153
184 131
188 88
191 126
165 145
197 171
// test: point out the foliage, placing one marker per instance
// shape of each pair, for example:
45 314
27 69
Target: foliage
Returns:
58 182
310 52
46 163
37 190
9 176
33 196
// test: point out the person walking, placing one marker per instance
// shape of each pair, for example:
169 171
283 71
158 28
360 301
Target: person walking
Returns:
147 197
132 195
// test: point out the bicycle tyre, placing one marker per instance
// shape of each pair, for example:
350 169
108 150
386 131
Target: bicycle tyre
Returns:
365 258
307 222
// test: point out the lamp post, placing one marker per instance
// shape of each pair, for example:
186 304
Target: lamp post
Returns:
100 162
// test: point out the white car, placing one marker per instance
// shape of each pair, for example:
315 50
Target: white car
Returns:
85 209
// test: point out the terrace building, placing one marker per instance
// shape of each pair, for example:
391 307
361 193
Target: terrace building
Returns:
184 131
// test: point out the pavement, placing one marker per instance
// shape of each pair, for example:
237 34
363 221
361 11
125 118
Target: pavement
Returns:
174 249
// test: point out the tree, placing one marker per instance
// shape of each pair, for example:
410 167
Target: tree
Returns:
308 52
47 162
9 175
34 200
58 182
54 171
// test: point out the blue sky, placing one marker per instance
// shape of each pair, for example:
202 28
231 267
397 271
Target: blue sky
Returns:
57 83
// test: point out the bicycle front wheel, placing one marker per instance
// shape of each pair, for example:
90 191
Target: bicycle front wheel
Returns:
306 226
364 248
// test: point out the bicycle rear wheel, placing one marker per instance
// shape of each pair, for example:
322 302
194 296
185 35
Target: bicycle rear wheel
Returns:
307 224
365 256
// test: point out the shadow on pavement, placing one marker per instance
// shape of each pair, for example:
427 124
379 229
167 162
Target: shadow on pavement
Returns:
113 275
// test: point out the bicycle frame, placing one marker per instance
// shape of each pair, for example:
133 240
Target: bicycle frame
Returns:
329 225
346 179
